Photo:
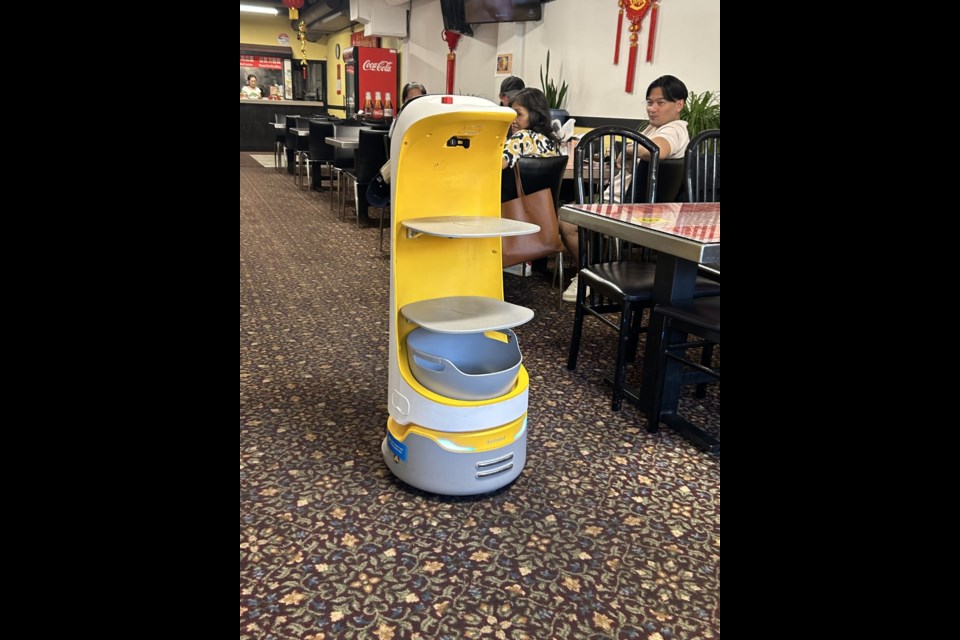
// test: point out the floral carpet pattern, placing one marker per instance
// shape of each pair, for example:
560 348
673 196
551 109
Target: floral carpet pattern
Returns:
609 531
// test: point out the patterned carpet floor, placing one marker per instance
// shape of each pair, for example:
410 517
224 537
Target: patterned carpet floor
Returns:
609 532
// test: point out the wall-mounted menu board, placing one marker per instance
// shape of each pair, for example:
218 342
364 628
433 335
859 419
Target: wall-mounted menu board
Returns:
268 69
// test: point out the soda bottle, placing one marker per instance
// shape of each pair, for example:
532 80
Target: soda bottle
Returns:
388 107
367 105
377 107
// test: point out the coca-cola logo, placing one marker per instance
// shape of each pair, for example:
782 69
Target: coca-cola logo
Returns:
384 66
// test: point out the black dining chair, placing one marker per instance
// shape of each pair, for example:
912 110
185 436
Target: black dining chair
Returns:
343 160
280 137
702 179
321 153
702 184
371 155
610 268
385 214
701 318
290 142
303 153
702 167
670 177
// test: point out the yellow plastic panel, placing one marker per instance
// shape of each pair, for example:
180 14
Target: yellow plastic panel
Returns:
434 179
467 442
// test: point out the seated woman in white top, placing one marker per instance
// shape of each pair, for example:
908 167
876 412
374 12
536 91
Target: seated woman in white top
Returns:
251 90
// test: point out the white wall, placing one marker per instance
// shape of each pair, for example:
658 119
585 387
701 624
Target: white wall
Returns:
580 35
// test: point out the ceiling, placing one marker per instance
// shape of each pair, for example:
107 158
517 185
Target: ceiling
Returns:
322 17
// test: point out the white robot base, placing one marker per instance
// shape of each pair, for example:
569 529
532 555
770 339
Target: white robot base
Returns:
456 464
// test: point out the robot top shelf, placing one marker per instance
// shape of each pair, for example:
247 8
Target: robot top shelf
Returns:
468 227
466 314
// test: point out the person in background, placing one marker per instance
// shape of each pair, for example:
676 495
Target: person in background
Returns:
509 88
532 134
378 193
665 99
251 90
410 91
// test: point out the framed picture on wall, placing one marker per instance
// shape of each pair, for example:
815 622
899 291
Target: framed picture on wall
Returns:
504 64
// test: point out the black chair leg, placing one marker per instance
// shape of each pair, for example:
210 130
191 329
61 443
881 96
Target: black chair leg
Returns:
577 325
706 359
636 328
385 213
656 403
626 320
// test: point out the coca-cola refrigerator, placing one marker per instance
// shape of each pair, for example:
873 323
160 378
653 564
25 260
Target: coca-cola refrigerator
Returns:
370 71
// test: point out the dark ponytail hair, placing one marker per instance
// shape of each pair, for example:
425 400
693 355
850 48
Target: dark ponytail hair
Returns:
407 88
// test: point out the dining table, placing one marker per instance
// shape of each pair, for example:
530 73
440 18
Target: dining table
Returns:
343 143
684 236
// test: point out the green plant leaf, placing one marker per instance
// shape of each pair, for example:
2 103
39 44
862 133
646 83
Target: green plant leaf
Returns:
554 96
701 111
563 94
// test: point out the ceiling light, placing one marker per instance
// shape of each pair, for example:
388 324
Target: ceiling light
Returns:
252 8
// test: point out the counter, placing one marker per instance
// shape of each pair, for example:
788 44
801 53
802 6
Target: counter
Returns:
256 134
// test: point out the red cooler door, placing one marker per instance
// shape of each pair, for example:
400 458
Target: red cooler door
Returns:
377 69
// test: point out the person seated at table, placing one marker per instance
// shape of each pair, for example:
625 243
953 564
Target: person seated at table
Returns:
378 193
410 90
251 90
509 88
665 99
531 133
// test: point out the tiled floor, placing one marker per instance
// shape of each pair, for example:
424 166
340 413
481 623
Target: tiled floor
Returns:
264 159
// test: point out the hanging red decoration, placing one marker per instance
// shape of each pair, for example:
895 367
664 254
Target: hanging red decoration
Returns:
616 50
452 38
636 10
653 30
292 8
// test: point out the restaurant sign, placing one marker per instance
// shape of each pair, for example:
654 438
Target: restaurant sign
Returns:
261 62
357 39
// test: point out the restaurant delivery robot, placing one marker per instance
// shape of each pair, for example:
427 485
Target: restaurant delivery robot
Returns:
458 391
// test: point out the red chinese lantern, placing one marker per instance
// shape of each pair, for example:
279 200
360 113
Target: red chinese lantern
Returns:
292 6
